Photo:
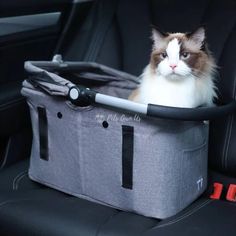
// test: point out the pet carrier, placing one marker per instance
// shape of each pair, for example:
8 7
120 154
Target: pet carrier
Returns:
91 142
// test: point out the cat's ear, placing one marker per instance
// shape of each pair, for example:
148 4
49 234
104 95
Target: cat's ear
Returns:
157 37
198 36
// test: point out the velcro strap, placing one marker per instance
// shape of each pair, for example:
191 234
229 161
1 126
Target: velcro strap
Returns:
127 156
43 133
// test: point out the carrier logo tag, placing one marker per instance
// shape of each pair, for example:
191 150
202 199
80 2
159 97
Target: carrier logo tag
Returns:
200 184
100 117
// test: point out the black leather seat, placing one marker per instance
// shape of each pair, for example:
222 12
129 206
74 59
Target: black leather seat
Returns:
27 208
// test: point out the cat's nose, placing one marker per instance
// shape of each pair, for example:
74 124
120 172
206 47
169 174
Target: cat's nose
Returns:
173 66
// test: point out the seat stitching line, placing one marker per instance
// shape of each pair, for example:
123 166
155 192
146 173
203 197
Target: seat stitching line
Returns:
16 177
12 201
231 203
225 144
224 153
228 141
95 49
189 213
90 55
230 128
108 219
19 179
13 102
94 44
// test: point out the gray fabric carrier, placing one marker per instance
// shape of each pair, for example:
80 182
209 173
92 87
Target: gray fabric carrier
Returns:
116 157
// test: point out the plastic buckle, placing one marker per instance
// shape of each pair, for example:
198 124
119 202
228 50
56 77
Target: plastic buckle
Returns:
217 191
231 194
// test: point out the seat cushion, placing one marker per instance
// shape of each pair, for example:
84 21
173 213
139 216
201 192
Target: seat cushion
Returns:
210 217
15 178
49 212
37 210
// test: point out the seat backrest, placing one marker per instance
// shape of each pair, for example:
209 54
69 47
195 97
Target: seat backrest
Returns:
127 46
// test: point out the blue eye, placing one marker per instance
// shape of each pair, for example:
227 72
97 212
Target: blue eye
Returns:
185 55
163 55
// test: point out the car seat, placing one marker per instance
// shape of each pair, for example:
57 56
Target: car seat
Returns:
117 34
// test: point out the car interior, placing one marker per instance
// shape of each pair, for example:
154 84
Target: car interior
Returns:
115 33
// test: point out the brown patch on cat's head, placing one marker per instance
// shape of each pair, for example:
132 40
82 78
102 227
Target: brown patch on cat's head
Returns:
199 60
160 44
155 59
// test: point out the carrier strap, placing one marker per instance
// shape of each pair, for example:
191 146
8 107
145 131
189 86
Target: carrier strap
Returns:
43 133
127 156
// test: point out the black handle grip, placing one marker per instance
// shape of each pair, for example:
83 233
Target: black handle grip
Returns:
191 114
81 96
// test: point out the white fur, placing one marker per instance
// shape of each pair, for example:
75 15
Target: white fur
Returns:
188 92
172 50
157 40
176 87
164 68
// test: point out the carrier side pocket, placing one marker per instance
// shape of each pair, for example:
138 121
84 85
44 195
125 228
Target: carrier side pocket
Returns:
43 133
127 156
194 172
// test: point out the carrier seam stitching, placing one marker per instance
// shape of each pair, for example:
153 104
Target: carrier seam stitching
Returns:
108 219
50 185
186 214
17 179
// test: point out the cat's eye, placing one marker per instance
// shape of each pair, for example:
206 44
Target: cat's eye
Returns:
163 55
185 55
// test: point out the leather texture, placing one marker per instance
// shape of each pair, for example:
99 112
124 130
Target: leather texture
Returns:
207 217
27 208
34 210
12 105
53 213
15 178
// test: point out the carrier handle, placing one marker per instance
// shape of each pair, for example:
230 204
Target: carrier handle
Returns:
84 96
191 114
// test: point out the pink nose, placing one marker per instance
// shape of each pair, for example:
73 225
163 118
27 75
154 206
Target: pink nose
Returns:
173 66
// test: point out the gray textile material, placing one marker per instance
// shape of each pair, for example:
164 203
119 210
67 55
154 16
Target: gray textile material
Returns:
85 158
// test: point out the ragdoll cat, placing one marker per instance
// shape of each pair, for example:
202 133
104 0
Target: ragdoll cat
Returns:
180 72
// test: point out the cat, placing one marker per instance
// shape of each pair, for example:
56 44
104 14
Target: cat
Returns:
180 73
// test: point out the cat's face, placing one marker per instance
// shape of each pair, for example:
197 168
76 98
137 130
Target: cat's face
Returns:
179 55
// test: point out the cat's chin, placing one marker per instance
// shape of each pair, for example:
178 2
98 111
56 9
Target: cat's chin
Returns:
175 77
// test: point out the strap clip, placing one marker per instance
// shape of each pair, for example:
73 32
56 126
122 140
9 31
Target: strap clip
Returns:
231 194
217 191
